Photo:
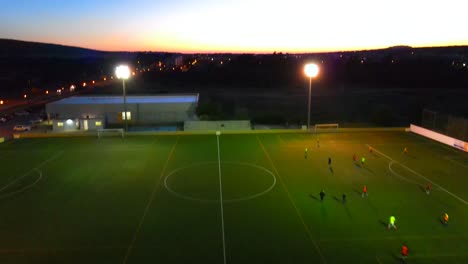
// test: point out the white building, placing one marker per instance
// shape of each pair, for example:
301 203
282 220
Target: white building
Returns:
94 112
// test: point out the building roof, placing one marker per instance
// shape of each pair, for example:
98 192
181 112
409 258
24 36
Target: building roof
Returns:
145 99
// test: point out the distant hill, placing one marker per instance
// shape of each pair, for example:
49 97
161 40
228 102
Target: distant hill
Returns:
23 49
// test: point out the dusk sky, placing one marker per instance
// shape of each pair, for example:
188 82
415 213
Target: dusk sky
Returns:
236 26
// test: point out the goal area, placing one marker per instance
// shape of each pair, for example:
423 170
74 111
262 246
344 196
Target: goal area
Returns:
326 128
110 132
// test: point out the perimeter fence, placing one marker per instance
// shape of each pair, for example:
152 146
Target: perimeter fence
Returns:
452 126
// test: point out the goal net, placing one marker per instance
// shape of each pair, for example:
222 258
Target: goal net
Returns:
110 132
326 128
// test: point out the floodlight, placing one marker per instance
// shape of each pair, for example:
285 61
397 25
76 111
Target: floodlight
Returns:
311 70
69 122
122 72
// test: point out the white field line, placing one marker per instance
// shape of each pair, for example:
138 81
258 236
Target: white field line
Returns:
402 177
31 170
456 162
408 237
418 174
221 200
24 188
292 202
281 139
150 201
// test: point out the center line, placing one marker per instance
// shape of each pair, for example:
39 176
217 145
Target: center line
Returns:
221 199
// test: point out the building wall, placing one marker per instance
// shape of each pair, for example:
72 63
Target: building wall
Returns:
112 113
61 125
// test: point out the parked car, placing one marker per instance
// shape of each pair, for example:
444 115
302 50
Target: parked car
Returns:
21 128
36 121
21 113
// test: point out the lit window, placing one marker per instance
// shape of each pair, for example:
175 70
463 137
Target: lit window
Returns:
98 123
129 116
60 124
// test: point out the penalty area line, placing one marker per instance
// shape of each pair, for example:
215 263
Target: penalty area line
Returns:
418 174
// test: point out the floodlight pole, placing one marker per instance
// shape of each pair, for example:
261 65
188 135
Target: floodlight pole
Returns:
125 104
308 108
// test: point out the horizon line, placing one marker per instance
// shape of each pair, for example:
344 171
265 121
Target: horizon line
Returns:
245 52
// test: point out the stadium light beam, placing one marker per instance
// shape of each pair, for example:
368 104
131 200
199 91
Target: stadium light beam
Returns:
123 72
311 70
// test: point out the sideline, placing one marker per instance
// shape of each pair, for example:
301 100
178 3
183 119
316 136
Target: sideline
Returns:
211 132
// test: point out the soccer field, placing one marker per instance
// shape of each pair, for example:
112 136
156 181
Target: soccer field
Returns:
157 199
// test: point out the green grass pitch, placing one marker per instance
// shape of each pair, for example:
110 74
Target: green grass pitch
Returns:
156 199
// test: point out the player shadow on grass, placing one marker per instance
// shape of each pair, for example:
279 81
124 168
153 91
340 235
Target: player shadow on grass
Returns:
363 167
313 197
331 169
344 204
410 156
441 221
397 258
435 197
422 188
383 223
369 170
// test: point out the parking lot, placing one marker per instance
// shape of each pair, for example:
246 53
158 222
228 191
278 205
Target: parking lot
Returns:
32 118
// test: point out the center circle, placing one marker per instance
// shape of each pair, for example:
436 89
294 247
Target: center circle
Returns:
213 183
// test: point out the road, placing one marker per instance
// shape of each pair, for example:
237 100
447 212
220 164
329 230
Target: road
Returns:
36 103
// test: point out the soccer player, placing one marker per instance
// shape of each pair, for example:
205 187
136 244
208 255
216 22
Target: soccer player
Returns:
404 252
370 150
428 188
318 143
354 157
329 161
343 198
363 160
364 191
306 152
445 219
322 195
391 222
405 150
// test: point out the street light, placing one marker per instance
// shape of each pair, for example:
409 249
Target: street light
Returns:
123 72
311 70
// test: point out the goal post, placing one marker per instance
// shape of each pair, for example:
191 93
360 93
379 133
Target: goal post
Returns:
110 132
326 128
